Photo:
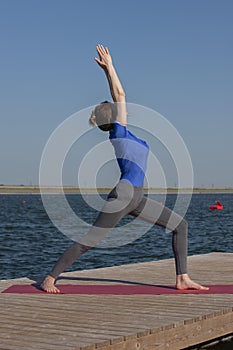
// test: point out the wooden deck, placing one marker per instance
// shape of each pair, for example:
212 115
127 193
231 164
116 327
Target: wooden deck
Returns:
120 322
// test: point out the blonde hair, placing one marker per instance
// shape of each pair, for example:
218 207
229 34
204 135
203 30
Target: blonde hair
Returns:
104 116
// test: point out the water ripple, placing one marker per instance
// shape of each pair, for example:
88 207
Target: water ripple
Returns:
30 244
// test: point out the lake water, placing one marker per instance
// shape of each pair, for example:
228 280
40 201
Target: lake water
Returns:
30 244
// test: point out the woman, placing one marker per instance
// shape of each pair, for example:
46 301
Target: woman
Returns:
127 197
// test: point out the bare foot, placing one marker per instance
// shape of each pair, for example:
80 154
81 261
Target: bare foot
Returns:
184 282
48 285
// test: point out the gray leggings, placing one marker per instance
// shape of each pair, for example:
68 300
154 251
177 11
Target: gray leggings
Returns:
123 200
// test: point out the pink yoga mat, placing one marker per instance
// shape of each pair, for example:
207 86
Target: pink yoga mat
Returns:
122 289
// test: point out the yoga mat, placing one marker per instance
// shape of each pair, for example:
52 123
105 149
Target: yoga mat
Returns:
120 289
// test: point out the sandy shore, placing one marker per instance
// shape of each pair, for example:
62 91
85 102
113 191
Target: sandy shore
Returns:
76 190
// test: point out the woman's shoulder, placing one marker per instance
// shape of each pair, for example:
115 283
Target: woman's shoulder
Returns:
119 130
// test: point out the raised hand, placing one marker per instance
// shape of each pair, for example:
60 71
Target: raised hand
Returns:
116 89
104 59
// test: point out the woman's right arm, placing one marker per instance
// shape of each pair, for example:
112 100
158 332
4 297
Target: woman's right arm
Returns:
116 89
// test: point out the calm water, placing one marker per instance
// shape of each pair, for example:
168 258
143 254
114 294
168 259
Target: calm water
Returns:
30 244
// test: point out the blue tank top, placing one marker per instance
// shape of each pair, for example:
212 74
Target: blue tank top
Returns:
131 153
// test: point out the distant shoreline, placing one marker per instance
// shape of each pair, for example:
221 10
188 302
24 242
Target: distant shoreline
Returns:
76 190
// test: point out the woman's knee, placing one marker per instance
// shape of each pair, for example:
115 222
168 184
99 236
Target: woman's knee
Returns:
182 227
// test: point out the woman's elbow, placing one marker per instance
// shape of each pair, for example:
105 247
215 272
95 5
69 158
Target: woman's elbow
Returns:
120 96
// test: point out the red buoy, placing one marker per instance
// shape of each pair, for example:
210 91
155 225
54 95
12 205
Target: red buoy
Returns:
217 206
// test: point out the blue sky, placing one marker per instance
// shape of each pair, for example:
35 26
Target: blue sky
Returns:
174 56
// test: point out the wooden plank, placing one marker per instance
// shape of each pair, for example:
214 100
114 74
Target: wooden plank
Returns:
190 334
120 322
